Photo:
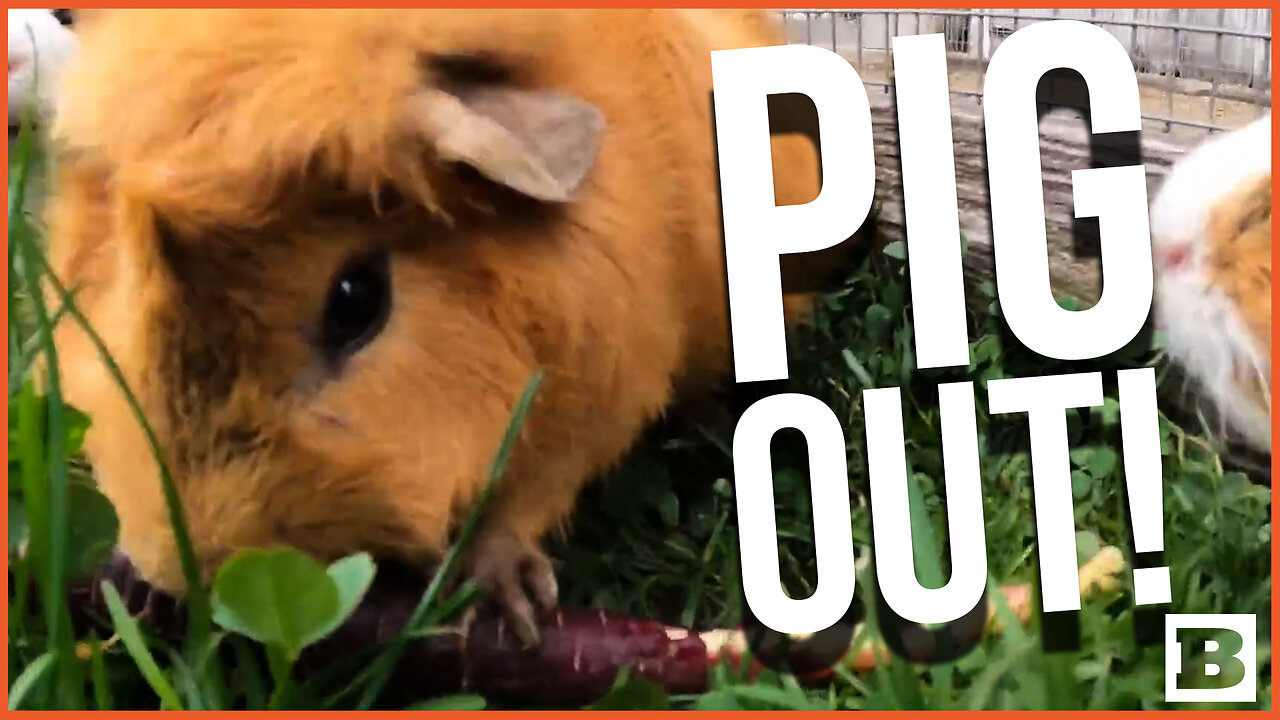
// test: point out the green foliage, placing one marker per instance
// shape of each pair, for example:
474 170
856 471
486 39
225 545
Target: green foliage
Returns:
33 674
93 523
657 539
450 702
630 693
93 529
628 558
285 599
127 630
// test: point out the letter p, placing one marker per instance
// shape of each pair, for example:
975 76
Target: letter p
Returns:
757 230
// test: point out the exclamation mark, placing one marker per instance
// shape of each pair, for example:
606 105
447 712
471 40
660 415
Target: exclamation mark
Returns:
1140 438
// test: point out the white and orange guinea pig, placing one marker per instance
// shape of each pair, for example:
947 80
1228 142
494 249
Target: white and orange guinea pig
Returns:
329 248
1211 238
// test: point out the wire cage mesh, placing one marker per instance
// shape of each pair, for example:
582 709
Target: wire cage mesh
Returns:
1199 70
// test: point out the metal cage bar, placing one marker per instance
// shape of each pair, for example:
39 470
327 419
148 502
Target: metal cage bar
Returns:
1198 70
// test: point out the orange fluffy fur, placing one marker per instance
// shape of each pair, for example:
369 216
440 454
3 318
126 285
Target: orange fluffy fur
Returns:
259 137
1239 262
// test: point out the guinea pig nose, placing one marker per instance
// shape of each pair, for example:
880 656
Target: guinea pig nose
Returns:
18 60
1173 257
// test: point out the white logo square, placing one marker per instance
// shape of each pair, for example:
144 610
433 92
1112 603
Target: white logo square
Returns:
1246 626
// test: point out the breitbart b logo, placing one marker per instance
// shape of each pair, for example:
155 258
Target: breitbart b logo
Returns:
1210 658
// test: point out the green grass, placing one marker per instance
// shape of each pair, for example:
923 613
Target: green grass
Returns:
658 538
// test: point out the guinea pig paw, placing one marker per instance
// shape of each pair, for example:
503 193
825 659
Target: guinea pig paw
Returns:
519 578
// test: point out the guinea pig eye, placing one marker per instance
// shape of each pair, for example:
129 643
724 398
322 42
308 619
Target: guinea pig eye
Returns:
358 304
64 16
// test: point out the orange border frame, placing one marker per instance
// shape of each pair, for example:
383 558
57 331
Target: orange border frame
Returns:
1275 612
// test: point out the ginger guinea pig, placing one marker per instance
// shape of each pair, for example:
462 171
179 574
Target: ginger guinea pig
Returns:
329 248
1211 235
41 43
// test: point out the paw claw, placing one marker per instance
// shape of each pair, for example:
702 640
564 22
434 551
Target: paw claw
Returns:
517 577
526 630
541 580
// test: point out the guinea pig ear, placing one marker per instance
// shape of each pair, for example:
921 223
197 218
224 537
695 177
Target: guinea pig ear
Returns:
539 143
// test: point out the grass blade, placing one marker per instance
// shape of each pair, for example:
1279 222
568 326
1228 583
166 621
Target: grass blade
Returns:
22 354
249 670
57 615
98 673
30 677
185 679
127 628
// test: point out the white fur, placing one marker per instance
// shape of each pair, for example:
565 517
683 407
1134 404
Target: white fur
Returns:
36 67
1203 329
